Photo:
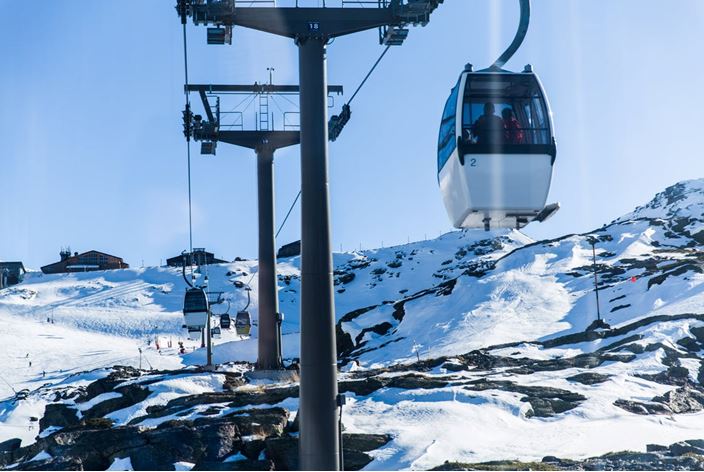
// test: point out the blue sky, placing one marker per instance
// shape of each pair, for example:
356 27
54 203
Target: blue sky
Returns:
93 157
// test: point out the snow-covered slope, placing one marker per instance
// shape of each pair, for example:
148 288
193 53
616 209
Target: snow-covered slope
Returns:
490 327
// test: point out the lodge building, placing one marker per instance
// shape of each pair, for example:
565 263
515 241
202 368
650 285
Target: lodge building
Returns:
86 262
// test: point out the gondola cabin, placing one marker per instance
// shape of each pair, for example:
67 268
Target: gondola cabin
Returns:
195 308
496 150
225 321
216 332
243 323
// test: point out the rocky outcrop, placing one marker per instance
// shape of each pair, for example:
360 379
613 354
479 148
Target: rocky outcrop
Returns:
685 455
685 399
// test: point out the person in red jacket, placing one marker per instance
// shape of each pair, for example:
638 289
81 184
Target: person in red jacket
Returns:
513 131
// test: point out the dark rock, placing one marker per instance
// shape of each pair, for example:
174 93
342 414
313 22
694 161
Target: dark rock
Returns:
233 380
682 400
600 323
414 381
364 442
130 395
237 465
642 408
58 414
252 449
219 439
589 378
635 348
10 445
283 452
362 387
166 446
56 463
546 407
674 375
655 448
355 460
698 332
692 446
345 278
107 384
454 366
690 344
258 422
97 423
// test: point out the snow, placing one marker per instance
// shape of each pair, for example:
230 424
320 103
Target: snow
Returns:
42 456
497 288
183 465
121 464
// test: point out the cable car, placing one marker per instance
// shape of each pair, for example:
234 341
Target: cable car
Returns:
496 150
243 323
225 321
496 147
195 308
216 333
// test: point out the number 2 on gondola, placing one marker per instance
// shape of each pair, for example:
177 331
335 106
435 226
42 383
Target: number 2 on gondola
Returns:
473 162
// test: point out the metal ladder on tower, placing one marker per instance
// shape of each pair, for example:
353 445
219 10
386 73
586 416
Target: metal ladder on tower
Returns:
264 113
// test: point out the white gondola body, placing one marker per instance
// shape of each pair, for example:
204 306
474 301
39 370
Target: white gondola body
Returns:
196 319
494 190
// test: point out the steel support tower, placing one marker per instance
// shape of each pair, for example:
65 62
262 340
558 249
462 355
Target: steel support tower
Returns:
312 29
264 141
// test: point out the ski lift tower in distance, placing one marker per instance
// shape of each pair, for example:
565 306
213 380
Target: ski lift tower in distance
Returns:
312 28
264 138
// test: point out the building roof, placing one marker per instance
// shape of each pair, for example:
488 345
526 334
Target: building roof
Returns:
98 252
12 266
72 260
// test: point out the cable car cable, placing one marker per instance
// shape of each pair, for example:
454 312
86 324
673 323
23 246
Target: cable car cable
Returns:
288 214
338 122
188 134
368 74
518 39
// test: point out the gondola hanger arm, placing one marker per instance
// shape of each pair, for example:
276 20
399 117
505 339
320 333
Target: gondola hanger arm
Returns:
518 39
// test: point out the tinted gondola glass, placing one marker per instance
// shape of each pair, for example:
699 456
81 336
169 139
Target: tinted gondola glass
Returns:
517 103
225 321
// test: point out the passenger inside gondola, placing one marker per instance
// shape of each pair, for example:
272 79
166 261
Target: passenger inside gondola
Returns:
514 133
489 128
